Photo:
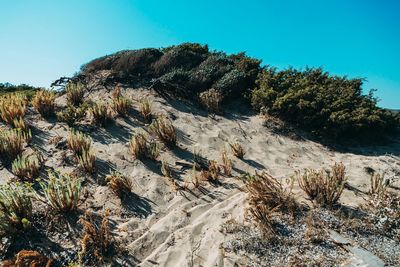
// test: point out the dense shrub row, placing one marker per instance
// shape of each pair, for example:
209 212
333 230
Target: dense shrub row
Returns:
6 88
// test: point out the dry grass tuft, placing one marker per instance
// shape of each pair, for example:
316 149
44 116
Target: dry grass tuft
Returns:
121 105
163 128
324 187
211 100
12 142
119 184
101 113
166 170
97 242
226 163
87 160
141 147
26 167
29 258
214 171
145 109
12 107
75 92
61 192
78 142
266 196
237 150
378 185
15 208
43 102
72 114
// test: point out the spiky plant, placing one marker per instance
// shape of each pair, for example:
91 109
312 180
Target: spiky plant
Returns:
19 123
15 208
87 160
26 167
226 163
12 106
44 102
163 128
75 92
214 170
62 192
211 100
143 147
119 183
72 114
166 169
121 105
377 184
323 187
12 142
237 150
101 113
145 109
78 142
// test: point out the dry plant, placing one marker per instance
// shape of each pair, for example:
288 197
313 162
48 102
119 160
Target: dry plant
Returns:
12 142
214 170
237 150
163 128
145 109
26 167
15 208
119 184
12 107
29 258
195 177
75 92
101 113
97 242
78 142
211 100
20 123
87 160
121 105
226 163
166 170
143 147
61 192
314 232
378 185
324 187
44 102
266 196
72 114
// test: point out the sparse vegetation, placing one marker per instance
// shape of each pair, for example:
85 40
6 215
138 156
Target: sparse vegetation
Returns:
145 109
15 209
29 258
324 187
78 142
62 192
163 128
121 105
12 108
12 142
214 170
75 92
26 167
22 89
226 163
101 113
87 160
119 184
237 150
211 100
44 102
143 147
377 184
72 114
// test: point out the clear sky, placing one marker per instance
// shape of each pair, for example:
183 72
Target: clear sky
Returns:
41 40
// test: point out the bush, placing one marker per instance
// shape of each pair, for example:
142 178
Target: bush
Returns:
62 192
12 108
12 142
163 128
26 167
75 92
72 114
211 100
101 113
43 102
15 209
328 106
324 187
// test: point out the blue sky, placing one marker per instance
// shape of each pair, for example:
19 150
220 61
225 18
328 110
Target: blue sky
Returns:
45 39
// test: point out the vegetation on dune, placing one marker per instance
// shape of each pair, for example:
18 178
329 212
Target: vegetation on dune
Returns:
24 89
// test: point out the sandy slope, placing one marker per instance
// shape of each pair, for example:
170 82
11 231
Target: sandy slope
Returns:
160 227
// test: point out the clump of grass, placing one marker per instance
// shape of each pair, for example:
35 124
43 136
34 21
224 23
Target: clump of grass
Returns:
26 167
12 107
20 123
145 109
121 104
237 150
119 183
29 258
163 128
141 147
62 192
75 92
44 102
323 187
101 113
72 114
12 142
166 170
15 208
226 163
214 170
377 185
97 242
211 100
87 160
266 196
78 142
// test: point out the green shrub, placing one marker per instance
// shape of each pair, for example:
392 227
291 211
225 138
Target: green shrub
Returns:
328 106
26 167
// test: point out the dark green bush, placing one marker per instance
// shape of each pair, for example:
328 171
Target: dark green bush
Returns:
328 106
